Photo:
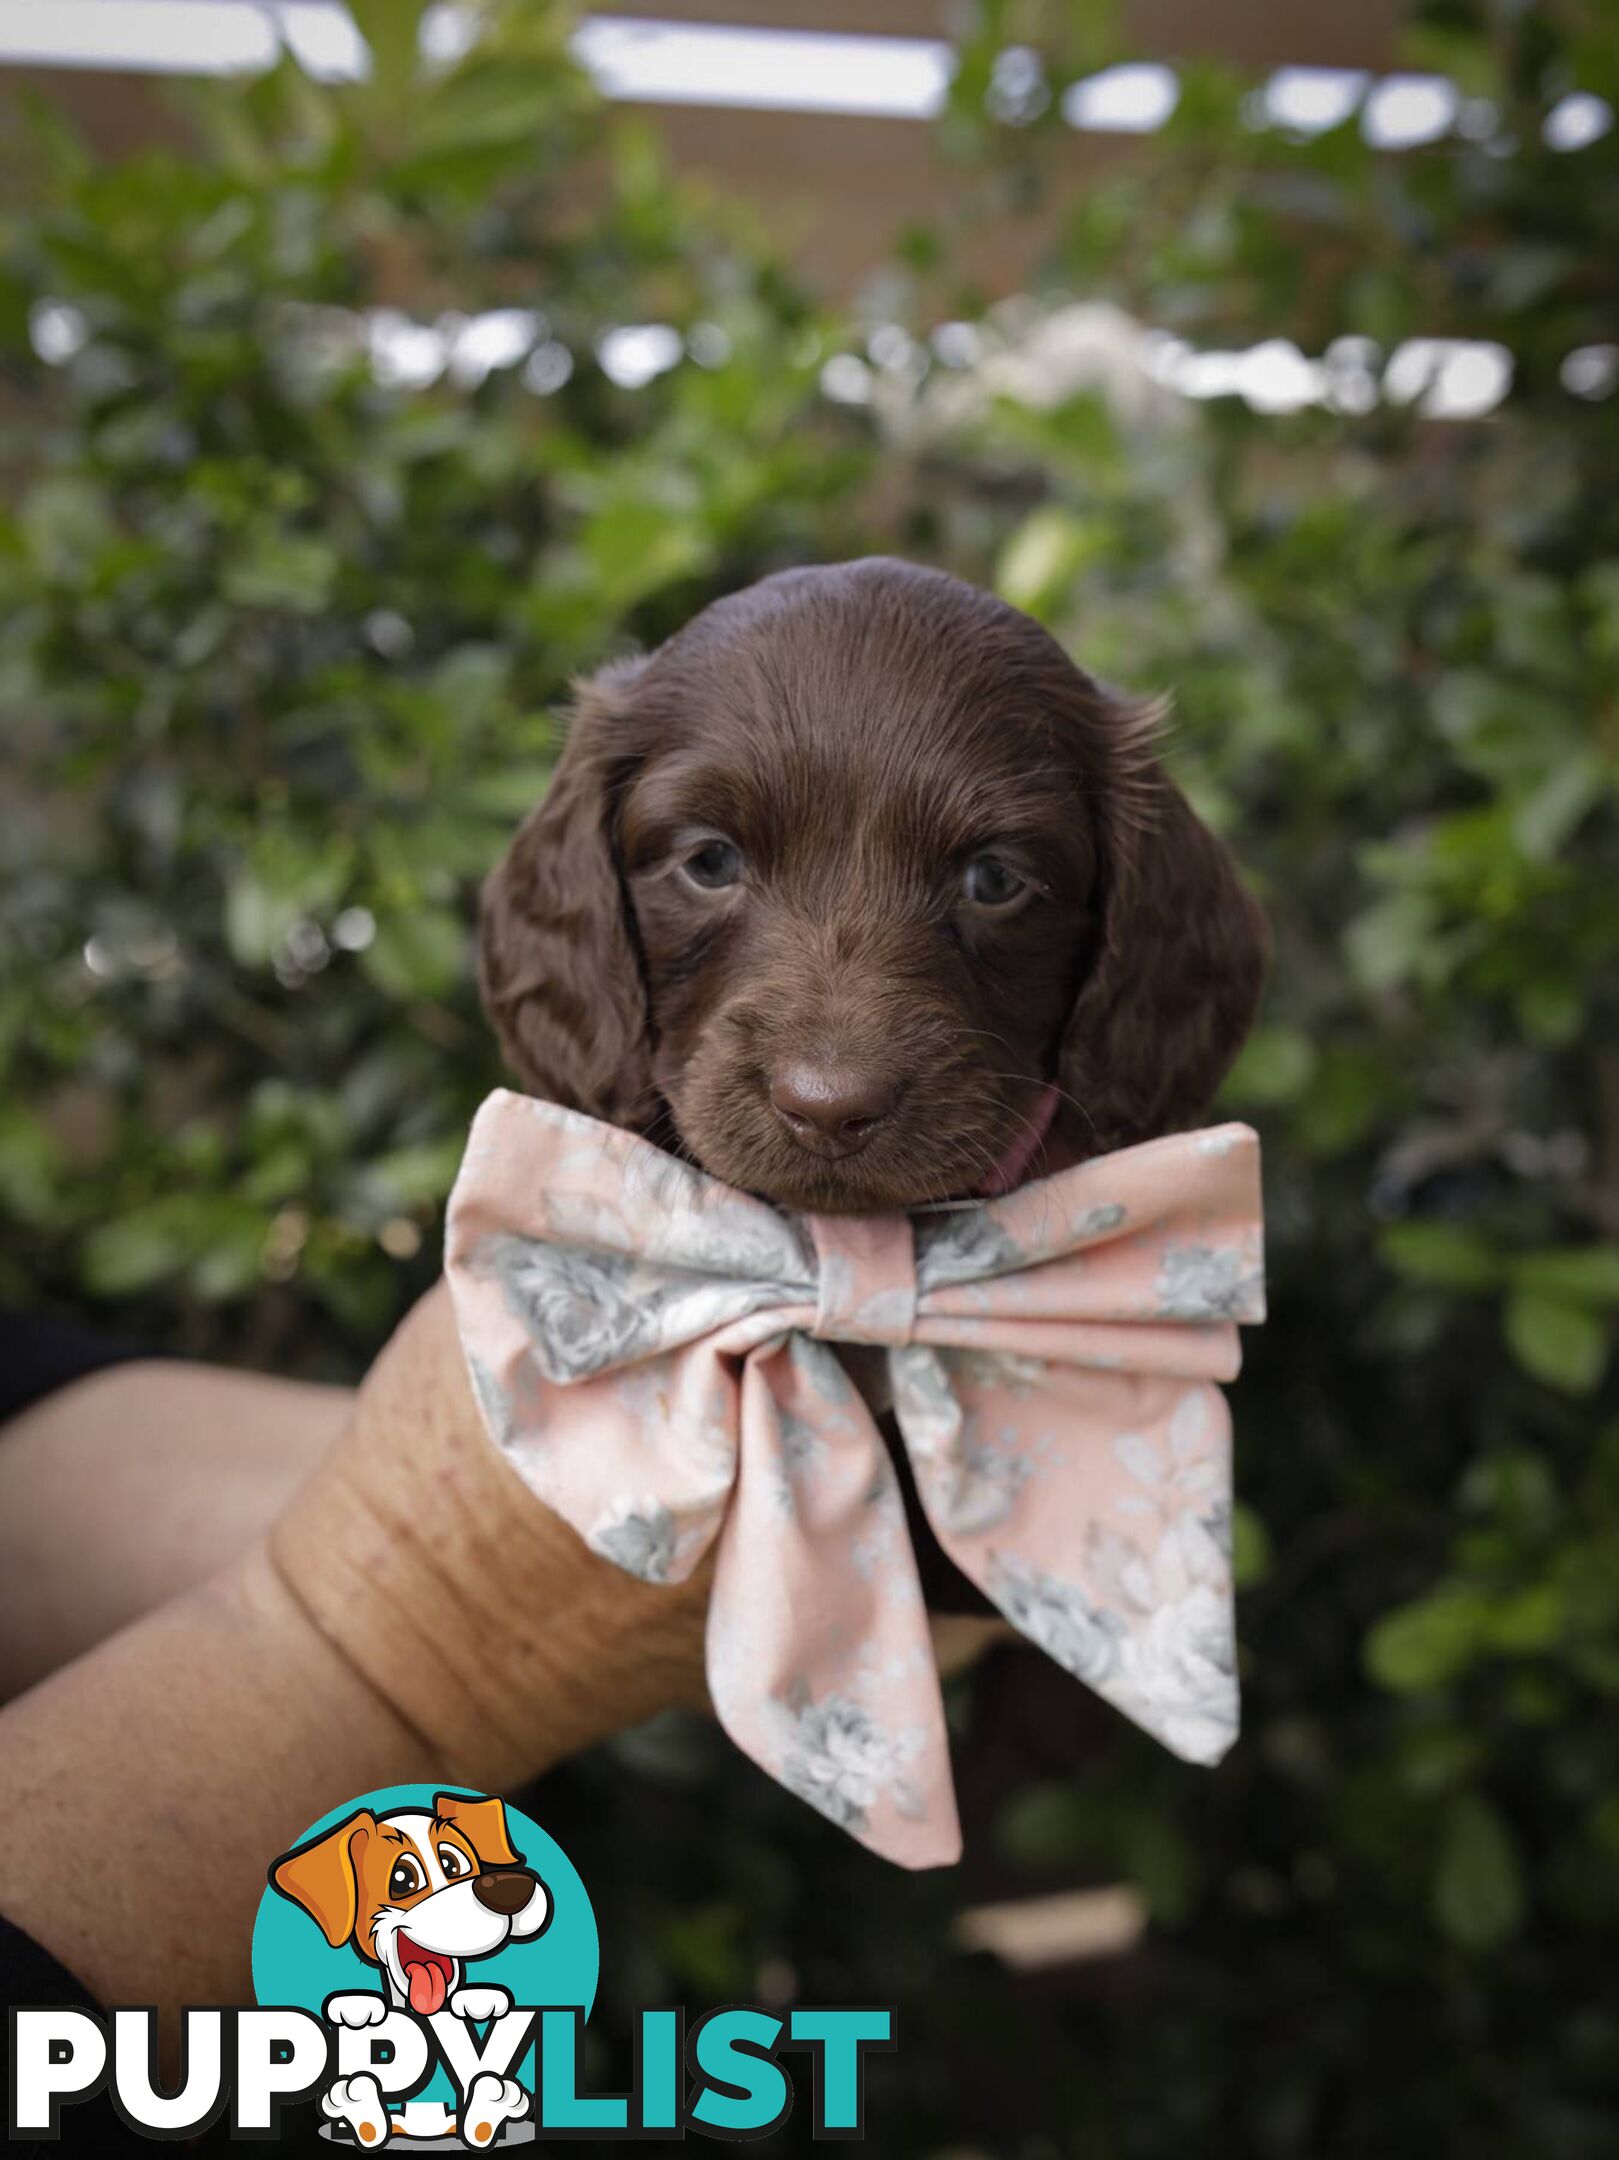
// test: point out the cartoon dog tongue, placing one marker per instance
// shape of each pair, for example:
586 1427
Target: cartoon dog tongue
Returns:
426 1978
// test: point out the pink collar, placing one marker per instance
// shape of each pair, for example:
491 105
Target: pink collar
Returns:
1026 1143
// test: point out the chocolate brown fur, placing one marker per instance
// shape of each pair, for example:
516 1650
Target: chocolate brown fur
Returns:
861 733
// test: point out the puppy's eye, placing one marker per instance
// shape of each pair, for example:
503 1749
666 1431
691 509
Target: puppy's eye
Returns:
454 1862
405 1880
714 865
990 883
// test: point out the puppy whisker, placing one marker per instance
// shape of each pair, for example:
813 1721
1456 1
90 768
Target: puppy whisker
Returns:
1063 1095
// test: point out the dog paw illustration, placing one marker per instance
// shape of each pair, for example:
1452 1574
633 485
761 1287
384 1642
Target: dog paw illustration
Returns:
478 2003
356 2010
491 2101
358 2102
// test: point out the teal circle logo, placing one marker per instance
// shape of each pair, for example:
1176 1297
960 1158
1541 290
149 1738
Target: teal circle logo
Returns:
420 1898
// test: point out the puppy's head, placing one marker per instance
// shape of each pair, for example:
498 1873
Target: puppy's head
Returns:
418 1891
832 886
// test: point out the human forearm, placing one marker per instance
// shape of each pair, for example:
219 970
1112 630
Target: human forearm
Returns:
155 1777
416 1614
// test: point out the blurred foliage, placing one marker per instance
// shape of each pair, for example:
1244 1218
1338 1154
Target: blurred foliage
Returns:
279 634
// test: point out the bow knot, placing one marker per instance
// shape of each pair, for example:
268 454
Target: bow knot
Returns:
655 1354
866 1286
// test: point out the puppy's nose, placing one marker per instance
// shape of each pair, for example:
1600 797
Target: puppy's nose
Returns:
504 1890
831 1109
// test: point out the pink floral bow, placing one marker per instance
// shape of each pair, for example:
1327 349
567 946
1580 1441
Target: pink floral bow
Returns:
652 1352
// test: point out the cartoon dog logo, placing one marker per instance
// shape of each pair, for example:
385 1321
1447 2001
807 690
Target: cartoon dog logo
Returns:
419 1893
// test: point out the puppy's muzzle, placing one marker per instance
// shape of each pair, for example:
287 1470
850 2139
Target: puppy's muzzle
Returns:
504 1890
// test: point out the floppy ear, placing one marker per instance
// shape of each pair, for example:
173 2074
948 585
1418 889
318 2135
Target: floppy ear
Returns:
322 1876
483 1823
560 975
1178 964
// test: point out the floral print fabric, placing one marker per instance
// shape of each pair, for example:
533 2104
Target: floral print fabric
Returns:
654 1353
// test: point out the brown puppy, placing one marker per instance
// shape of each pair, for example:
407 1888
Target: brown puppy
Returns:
837 888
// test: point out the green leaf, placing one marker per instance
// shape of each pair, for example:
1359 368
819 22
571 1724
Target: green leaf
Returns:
1528 1621
510 792
1385 944
1044 1825
635 544
1041 559
66 523
276 889
1543 820
410 1177
1440 1253
1577 1274
1275 1066
417 952
287 572
1436 1758
31 1161
1346 1090
1250 1547
392 29
1426 1644
1559 1342
1550 1010
486 107
134 1251
1163 1864
1478 1890
229 1267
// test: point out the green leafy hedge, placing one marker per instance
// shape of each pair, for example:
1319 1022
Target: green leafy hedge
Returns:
279 642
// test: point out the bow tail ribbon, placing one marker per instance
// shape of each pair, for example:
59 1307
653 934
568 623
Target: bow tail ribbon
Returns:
1126 1581
820 1655
819 1652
